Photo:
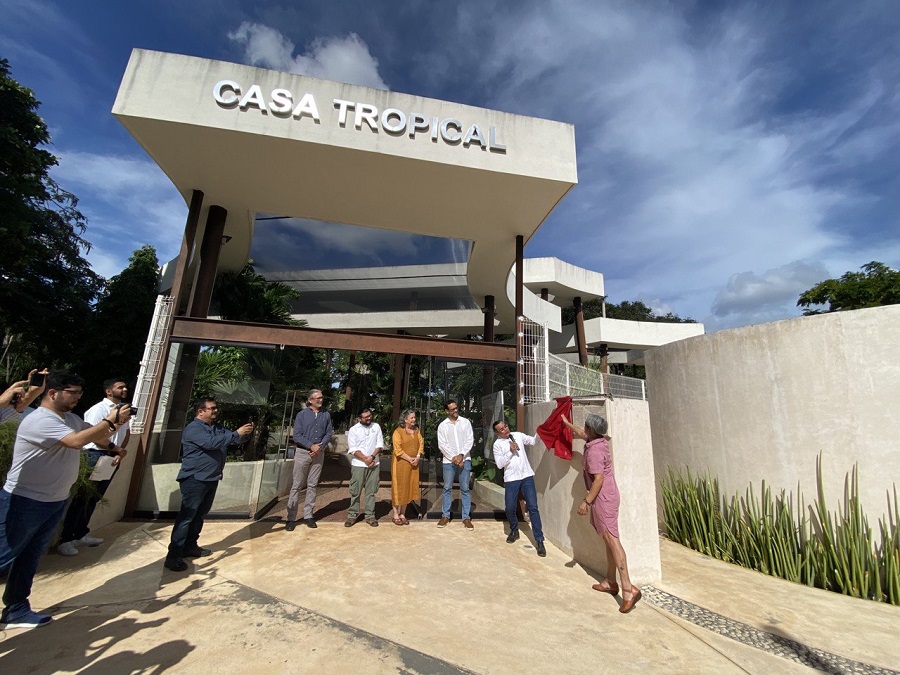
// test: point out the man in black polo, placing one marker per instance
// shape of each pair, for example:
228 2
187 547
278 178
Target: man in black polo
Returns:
203 447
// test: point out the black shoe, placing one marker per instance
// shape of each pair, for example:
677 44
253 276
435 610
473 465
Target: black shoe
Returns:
197 552
175 564
290 525
309 522
542 552
513 536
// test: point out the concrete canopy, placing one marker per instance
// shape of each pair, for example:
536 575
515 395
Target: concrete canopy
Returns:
274 143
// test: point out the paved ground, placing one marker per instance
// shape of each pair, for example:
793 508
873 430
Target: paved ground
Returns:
422 600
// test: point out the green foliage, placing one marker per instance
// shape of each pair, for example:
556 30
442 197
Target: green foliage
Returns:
47 286
876 285
832 550
121 321
248 296
7 441
625 310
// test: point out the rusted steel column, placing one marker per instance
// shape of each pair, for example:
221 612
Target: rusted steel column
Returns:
520 354
579 331
205 278
198 307
488 336
176 292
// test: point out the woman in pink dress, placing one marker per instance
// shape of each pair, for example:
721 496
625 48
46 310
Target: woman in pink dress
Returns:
602 500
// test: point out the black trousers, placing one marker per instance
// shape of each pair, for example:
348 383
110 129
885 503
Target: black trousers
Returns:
196 500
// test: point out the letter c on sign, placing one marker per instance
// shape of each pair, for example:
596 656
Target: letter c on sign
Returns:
227 93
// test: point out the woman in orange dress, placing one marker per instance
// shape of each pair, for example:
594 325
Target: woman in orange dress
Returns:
409 447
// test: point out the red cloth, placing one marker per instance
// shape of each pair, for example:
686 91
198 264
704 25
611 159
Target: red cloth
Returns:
555 434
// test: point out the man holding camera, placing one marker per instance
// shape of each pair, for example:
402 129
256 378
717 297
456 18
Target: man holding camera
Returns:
20 395
75 531
44 467
203 447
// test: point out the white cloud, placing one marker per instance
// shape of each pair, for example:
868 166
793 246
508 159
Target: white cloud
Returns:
772 291
344 59
686 175
128 203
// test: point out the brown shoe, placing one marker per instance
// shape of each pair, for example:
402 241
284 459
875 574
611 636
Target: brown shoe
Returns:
611 588
468 523
628 605
443 522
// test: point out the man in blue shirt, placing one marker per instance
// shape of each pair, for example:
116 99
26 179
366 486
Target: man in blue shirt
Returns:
312 432
203 447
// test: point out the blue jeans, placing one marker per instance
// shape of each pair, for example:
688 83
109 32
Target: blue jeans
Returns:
75 524
196 500
26 528
530 494
451 471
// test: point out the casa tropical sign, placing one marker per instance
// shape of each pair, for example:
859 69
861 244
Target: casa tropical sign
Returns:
355 114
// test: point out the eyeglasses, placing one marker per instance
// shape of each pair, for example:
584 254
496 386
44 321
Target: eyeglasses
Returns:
452 409
215 407
75 392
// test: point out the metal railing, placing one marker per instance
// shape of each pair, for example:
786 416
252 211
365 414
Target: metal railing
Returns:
546 376
569 379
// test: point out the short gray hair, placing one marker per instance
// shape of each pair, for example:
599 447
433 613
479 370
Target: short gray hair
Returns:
597 424
313 392
406 413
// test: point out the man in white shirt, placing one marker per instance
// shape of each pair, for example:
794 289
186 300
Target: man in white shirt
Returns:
455 441
509 454
44 466
75 530
364 444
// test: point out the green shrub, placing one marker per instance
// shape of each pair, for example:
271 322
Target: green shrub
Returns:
835 550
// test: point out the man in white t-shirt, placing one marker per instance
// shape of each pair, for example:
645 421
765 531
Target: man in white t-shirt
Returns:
44 467
364 444
455 440
75 530
509 454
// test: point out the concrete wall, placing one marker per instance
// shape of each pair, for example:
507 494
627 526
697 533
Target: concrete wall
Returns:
561 487
761 402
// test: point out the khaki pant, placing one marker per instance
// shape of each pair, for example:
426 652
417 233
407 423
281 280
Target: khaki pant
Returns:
363 478
307 472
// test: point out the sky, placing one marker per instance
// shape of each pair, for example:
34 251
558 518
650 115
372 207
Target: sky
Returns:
730 154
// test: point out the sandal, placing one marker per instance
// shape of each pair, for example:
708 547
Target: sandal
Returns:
397 521
403 520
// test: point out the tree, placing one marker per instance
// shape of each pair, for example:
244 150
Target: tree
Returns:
46 286
626 310
122 319
248 296
876 285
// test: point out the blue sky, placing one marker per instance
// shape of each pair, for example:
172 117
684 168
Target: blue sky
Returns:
730 155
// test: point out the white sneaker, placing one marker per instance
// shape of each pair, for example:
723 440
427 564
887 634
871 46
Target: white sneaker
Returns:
88 540
67 548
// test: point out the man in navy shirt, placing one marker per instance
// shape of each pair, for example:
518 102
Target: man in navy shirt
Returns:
312 432
203 447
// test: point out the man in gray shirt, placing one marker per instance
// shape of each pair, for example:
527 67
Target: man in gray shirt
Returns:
312 432
44 467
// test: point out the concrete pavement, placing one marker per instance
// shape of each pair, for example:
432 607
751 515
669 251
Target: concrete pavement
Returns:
418 599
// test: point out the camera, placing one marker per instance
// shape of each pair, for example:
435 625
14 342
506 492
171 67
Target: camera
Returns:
37 380
122 406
